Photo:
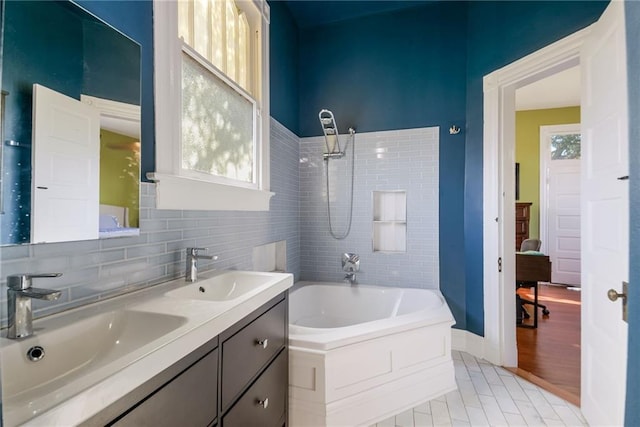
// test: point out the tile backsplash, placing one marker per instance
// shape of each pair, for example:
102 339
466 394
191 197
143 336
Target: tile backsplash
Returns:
384 161
97 269
404 160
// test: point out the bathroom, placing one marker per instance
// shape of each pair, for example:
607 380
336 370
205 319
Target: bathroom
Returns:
425 72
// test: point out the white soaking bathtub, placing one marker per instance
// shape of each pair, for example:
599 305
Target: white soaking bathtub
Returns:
359 354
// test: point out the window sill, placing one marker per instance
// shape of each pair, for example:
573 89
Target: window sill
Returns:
176 192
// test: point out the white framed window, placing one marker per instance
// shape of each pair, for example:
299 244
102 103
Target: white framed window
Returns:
212 104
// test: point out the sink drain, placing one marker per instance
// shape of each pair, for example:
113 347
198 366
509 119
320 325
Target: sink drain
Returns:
35 353
201 289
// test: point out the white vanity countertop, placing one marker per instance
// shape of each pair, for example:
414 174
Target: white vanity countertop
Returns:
86 395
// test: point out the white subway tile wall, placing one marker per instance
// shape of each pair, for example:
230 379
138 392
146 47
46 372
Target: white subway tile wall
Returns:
98 269
384 161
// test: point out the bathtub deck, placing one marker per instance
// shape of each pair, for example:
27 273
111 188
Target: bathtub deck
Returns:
489 395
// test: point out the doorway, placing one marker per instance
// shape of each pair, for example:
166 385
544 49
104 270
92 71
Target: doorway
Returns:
601 52
547 150
499 198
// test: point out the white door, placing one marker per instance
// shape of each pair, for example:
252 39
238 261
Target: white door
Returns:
65 168
560 148
605 219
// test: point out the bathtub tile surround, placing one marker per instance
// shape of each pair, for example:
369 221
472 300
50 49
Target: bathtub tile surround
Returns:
384 161
97 269
489 395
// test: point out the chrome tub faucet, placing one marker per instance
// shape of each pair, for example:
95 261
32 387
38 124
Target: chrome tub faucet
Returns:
19 296
350 265
191 273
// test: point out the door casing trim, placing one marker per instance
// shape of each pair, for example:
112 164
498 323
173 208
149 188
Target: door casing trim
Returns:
498 184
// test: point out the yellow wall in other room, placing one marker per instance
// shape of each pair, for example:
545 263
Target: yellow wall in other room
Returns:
528 124
120 172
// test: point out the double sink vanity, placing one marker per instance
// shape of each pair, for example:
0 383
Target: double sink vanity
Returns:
211 352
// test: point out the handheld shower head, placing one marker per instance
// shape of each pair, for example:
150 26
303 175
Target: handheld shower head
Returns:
330 131
326 119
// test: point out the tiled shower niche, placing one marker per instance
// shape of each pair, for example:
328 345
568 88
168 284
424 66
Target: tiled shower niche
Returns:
390 221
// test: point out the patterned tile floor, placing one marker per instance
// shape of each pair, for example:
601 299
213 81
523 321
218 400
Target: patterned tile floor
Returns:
489 395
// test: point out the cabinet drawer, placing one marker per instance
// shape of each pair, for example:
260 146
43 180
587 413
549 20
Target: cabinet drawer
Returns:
189 399
263 404
522 211
522 227
243 355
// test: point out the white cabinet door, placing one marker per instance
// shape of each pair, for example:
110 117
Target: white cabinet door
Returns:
605 219
65 168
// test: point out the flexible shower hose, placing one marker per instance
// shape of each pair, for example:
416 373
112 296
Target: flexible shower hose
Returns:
353 156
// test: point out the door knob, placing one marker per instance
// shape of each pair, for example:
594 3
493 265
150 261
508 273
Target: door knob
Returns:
614 295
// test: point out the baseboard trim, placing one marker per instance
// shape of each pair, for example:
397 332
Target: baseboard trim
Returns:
468 342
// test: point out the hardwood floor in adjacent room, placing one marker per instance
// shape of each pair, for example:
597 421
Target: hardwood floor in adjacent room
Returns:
552 351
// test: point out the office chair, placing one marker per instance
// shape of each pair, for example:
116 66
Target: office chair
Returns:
528 245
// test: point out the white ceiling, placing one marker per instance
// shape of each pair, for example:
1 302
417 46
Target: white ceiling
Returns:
559 90
122 126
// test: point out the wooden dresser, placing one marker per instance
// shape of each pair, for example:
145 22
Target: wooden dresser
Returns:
523 215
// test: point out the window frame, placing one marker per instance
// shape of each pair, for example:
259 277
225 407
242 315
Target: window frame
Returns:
176 189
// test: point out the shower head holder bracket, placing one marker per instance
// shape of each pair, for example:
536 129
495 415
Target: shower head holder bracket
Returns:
333 149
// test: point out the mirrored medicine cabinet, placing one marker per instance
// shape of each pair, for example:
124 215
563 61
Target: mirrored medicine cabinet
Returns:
70 126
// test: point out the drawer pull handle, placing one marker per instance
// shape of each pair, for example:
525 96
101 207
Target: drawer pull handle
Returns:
264 403
263 343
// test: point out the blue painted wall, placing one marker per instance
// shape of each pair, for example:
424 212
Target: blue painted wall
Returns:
393 71
283 66
111 64
403 69
421 67
632 415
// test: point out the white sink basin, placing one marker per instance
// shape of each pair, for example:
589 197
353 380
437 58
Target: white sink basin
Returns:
228 286
76 349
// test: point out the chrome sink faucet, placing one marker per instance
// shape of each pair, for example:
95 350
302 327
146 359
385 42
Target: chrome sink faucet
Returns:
191 274
19 296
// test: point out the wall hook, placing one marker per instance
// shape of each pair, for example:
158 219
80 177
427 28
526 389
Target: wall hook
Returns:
454 130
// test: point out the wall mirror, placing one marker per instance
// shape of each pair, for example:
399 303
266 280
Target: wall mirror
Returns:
70 126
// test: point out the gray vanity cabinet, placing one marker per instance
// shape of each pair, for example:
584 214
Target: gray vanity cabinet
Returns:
249 350
264 403
254 369
238 379
189 399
